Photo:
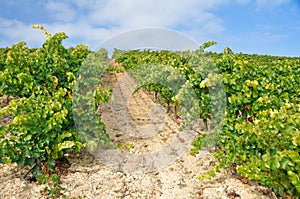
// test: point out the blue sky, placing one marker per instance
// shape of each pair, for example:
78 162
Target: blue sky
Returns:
250 26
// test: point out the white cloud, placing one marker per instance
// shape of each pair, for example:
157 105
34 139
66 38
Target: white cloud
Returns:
136 13
157 38
14 31
213 26
96 20
61 11
103 19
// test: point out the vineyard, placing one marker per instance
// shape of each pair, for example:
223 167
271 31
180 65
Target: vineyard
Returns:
260 136
249 104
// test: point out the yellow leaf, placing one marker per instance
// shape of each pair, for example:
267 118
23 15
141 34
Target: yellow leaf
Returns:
54 81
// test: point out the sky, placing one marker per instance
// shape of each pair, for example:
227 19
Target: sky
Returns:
269 27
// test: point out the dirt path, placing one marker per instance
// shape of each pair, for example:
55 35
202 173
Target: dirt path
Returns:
120 174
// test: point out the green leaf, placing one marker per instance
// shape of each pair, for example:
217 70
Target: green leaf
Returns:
296 139
64 135
28 137
65 145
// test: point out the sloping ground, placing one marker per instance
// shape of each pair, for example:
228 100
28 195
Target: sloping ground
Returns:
117 174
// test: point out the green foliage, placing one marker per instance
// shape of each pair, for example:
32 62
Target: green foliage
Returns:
42 127
151 69
42 81
3 56
274 144
88 95
117 53
115 69
186 80
261 130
